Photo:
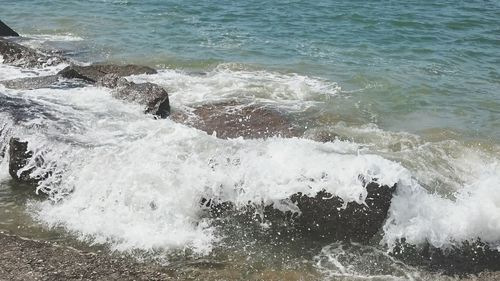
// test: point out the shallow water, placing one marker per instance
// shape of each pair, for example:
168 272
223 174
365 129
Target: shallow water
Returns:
410 98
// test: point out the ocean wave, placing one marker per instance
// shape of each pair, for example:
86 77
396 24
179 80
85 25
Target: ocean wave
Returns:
121 177
227 81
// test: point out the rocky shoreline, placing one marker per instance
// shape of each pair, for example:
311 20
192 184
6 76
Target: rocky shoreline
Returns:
23 259
323 216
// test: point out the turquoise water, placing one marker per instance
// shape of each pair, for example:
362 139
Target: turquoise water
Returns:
415 66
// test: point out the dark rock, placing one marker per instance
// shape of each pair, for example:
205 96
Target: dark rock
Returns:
469 257
233 120
19 156
324 217
18 55
6 31
153 97
93 73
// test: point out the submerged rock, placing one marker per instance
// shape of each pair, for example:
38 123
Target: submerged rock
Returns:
153 97
324 216
233 120
6 30
93 73
18 55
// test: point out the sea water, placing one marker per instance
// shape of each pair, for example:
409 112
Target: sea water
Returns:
409 89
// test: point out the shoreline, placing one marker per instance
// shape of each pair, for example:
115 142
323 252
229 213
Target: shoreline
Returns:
27 259
24 259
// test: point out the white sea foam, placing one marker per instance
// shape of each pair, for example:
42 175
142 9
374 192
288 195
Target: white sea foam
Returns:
8 72
226 82
419 216
140 182
53 37
136 182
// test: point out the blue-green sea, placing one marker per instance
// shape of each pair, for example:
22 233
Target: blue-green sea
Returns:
414 66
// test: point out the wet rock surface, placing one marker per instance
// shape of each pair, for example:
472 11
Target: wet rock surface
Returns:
153 97
233 119
323 217
18 55
30 83
327 217
94 73
5 30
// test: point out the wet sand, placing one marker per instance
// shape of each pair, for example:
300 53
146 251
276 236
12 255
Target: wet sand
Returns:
25 260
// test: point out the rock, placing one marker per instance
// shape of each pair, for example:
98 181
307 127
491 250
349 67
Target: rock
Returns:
31 82
469 257
51 81
109 81
323 217
93 73
153 97
6 31
18 55
19 156
233 120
